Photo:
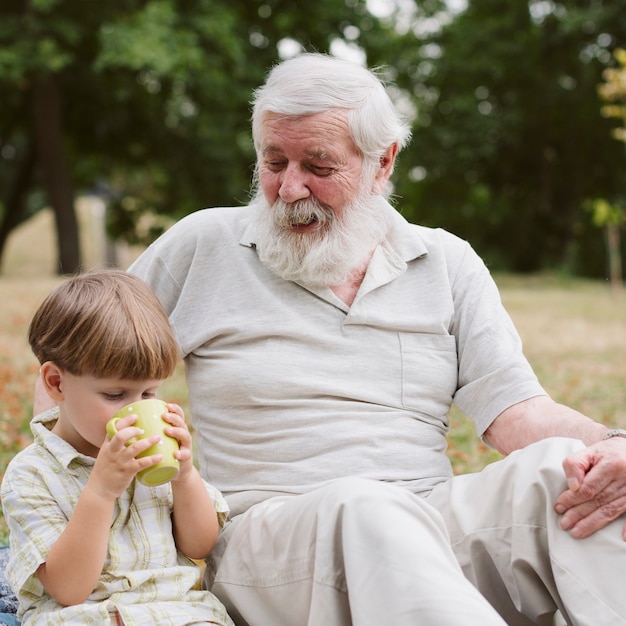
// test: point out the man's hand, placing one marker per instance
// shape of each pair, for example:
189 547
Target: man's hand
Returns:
596 494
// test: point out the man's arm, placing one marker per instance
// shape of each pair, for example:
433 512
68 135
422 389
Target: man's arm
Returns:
538 418
596 476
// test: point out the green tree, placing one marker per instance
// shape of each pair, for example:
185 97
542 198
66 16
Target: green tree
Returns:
145 100
609 216
509 142
613 93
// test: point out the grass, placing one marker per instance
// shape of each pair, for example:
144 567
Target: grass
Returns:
574 334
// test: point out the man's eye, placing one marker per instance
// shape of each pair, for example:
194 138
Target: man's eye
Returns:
319 170
274 166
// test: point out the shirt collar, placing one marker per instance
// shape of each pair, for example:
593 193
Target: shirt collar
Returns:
65 454
404 238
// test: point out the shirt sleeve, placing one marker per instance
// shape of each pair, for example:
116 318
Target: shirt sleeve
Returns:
35 522
493 371
219 502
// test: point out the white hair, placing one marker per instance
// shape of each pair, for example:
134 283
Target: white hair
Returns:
313 83
327 256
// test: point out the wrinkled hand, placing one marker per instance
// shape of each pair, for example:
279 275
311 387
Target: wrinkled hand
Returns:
596 494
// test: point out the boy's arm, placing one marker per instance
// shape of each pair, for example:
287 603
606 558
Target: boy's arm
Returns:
194 518
75 561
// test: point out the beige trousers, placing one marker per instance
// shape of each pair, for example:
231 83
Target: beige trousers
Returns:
359 552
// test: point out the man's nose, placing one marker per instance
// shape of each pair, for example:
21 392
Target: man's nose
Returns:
293 184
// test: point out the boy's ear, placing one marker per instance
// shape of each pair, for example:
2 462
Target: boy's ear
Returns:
52 379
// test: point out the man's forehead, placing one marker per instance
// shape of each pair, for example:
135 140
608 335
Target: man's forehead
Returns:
322 136
321 153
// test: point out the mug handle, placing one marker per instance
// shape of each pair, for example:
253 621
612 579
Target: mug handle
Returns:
112 430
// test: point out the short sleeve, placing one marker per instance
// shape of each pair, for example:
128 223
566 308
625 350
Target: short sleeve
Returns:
219 502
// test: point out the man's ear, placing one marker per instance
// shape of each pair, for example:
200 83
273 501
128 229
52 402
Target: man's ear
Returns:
385 168
52 379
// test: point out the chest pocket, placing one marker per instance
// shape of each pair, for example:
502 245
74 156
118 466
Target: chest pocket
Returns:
429 373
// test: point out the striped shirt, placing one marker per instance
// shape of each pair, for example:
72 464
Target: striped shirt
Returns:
144 578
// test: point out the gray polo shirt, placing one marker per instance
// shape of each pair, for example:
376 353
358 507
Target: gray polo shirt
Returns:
291 388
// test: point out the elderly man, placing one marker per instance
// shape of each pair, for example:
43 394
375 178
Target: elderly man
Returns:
325 339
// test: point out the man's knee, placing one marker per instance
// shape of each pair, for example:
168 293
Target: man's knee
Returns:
374 509
364 494
540 464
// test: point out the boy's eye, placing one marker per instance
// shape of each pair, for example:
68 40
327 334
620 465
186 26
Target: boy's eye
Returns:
146 395
113 396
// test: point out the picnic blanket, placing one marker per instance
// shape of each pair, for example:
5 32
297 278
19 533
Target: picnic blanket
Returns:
8 600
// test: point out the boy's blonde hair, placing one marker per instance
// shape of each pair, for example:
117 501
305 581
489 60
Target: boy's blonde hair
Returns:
107 324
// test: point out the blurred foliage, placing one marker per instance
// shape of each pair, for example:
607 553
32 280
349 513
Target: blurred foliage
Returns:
611 218
155 94
604 213
613 92
509 140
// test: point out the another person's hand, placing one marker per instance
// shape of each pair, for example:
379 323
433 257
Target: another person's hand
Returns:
596 494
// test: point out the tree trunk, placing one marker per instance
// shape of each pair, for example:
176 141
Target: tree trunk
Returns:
55 171
15 200
615 257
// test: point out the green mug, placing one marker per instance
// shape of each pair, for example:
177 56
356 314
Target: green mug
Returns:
150 419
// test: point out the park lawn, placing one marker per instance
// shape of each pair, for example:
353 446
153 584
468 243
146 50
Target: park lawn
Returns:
574 334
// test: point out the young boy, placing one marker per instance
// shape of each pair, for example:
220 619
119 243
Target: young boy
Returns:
89 544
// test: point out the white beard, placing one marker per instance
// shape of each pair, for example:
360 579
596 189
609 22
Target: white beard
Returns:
328 254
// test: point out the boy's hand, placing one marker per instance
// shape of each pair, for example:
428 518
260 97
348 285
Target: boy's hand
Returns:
180 431
116 465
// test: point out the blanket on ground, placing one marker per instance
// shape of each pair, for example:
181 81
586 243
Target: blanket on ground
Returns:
8 600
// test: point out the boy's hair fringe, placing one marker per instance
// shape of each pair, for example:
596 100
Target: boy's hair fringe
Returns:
107 324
